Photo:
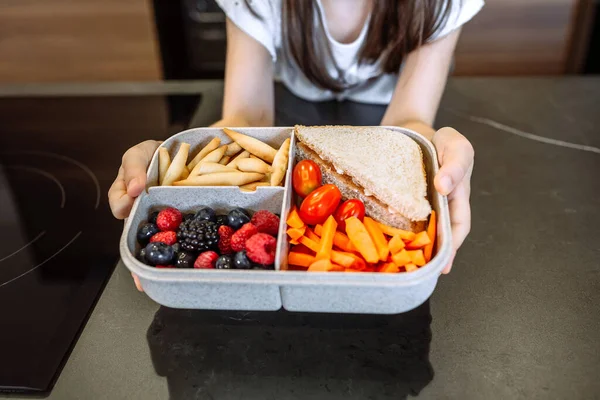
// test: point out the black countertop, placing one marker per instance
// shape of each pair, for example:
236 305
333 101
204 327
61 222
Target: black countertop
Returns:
518 316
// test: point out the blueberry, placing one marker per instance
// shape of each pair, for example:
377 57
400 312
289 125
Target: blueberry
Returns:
152 217
145 232
221 220
241 261
188 217
237 217
224 262
158 253
184 260
207 214
142 255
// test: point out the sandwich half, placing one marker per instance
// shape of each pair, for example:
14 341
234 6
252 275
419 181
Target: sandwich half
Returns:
382 168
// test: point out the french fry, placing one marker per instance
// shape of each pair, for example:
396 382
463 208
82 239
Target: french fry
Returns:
253 165
164 161
177 165
253 156
214 156
234 161
233 149
253 145
280 163
251 187
225 159
185 173
221 179
205 168
212 145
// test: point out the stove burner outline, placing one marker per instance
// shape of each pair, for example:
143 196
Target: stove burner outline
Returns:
42 233
43 262
84 167
47 175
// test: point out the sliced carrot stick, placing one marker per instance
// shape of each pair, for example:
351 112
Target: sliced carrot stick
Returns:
402 258
324 266
311 244
359 262
389 268
388 230
417 257
300 259
361 239
396 244
294 219
300 248
294 242
431 232
378 237
340 239
326 244
296 233
311 235
410 267
421 240
344 259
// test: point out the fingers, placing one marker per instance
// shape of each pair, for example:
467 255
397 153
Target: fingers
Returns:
136 280
135 163
456 155
120 202
460 215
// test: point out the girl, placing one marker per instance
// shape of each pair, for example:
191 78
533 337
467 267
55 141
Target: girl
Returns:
393 52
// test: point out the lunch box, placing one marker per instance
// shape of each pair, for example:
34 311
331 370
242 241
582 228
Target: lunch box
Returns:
264 290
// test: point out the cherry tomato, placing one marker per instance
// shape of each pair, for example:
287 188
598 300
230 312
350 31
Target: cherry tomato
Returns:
349 208
306 177
320 204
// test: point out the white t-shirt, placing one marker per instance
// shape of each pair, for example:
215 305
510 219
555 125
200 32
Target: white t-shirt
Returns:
368 83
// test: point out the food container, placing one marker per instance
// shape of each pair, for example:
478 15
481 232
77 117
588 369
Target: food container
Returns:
371 293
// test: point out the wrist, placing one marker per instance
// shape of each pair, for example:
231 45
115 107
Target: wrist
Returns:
418 126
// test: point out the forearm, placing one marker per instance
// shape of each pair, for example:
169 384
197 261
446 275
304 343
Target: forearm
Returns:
241 119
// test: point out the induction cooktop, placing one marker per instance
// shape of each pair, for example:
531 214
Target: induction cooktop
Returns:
58 240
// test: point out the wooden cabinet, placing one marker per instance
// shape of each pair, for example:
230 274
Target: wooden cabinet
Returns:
77 40
517 37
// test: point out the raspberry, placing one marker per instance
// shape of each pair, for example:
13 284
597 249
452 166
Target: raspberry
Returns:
169 237
266 222
169 219
238 240
261 248
225 233
206 260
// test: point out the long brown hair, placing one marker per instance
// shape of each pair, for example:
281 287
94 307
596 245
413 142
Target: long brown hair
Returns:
396 28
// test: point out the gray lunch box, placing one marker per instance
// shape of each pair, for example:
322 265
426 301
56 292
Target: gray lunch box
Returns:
372 293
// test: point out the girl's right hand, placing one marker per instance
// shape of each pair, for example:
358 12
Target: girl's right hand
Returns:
130 182
131 179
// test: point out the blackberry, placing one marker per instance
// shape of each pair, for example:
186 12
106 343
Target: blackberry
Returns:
198 235
189 216
221 220
224 262
184 260
152 217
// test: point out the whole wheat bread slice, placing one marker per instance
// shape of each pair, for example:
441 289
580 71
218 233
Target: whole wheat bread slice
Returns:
385 165
373 207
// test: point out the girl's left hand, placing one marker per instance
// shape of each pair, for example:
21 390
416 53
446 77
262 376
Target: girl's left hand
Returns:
456 157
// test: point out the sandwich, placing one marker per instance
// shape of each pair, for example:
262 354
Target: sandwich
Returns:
382 168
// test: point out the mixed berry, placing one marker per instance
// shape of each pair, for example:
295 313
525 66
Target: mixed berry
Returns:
206 240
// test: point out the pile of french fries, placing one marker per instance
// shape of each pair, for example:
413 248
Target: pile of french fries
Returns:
246 162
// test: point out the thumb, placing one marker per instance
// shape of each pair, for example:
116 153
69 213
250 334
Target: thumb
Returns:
135 164
456 156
